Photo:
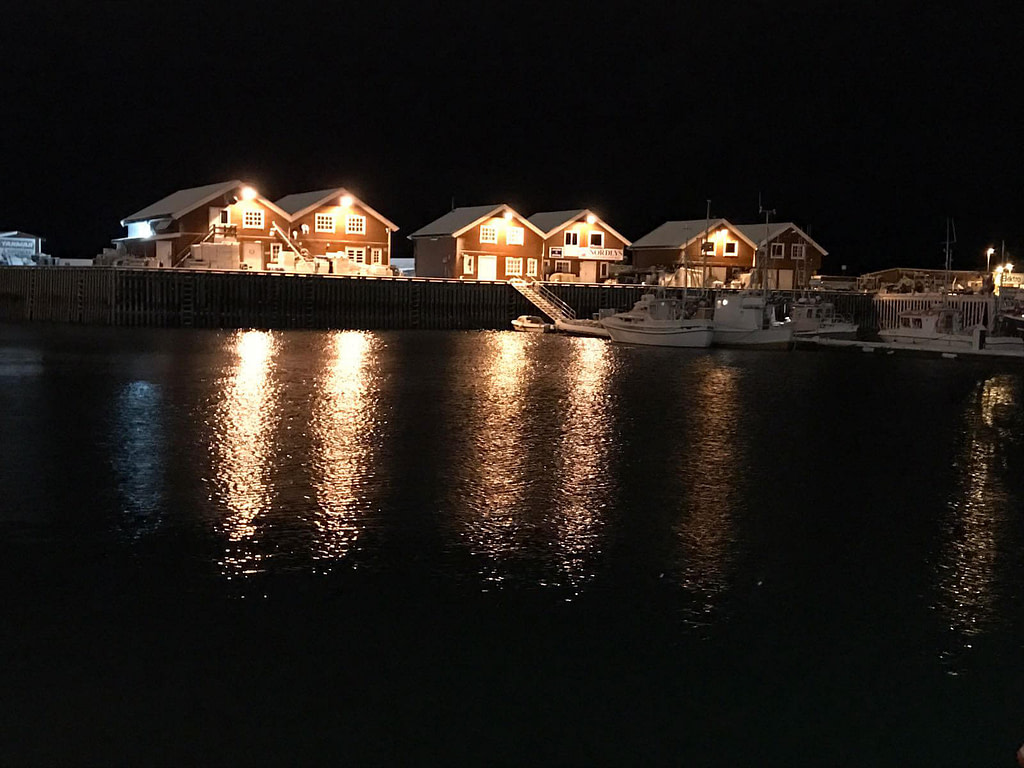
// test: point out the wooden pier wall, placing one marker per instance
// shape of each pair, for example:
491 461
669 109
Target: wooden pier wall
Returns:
182 298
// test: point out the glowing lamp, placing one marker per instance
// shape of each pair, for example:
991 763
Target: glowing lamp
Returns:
591 218
999 269
248 193
508 215
346 201
1009 267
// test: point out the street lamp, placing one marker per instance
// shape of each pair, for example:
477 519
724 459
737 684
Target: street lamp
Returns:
988 259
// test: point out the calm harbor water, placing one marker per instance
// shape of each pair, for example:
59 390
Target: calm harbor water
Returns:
416 547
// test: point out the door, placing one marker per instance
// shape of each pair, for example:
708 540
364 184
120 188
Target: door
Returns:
785 279
588 271
252 255
163 253
487 268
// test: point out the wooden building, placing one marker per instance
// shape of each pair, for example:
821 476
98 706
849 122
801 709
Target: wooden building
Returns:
339 232
230 213
578 246
719 252
231 226
487 242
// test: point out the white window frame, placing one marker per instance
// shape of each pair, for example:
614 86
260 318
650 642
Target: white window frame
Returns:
324 222
554 252
590 240
355 255
275 253
514 265
572 237
563 262
781 251
376 256
603 269
256 222
519 233
351 222
709 248
488 234
735 249
798 251
225 217
531 267
468 265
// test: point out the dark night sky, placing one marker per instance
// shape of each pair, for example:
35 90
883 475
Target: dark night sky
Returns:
869 124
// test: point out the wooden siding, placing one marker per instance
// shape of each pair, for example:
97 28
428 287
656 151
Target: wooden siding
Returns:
319 243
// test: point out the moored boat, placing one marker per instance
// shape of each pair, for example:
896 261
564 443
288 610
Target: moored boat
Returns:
747 319
531 324
819 318
581 327
658 321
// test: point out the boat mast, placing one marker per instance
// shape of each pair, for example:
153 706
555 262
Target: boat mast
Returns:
761 272
703 248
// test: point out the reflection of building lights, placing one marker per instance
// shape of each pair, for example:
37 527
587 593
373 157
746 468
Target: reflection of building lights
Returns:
248 193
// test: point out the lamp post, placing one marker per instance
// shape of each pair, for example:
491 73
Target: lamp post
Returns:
988 260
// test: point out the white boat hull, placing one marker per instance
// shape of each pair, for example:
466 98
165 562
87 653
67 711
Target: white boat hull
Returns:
775 337
692 337
833 331
938 341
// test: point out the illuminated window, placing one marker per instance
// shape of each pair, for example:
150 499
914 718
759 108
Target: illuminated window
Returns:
324 222
531 267
514 235
731 248
604 269
356 255
467 265
513 266
253 219
597 239
376 256
355 225
796 251
572 237
778 250
488 234
563 266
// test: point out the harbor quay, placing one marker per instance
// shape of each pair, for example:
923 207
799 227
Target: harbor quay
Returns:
117 296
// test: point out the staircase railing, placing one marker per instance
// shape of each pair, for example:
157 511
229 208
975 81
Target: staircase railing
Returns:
549 295
546 301
274 228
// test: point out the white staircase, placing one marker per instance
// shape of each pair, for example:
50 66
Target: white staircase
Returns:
544 300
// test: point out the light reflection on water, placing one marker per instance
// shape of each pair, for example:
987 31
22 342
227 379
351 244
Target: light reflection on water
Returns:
582 460
968 568
139 444
345 414
244 426
710 486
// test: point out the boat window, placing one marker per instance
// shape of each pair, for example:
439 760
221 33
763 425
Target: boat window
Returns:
904 322
917 322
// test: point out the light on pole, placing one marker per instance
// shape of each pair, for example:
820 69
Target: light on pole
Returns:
988 259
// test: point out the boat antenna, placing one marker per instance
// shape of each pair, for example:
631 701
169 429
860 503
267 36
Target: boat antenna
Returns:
761 271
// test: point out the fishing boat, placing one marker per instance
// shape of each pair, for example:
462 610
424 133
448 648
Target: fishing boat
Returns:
819 318
531 324
747 319
657 320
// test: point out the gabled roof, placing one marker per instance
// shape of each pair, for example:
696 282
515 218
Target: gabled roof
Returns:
18 233
179 203
301 203
761 234
460 220
679 234
551 221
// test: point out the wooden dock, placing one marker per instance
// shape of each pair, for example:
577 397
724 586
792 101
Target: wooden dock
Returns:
207 299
